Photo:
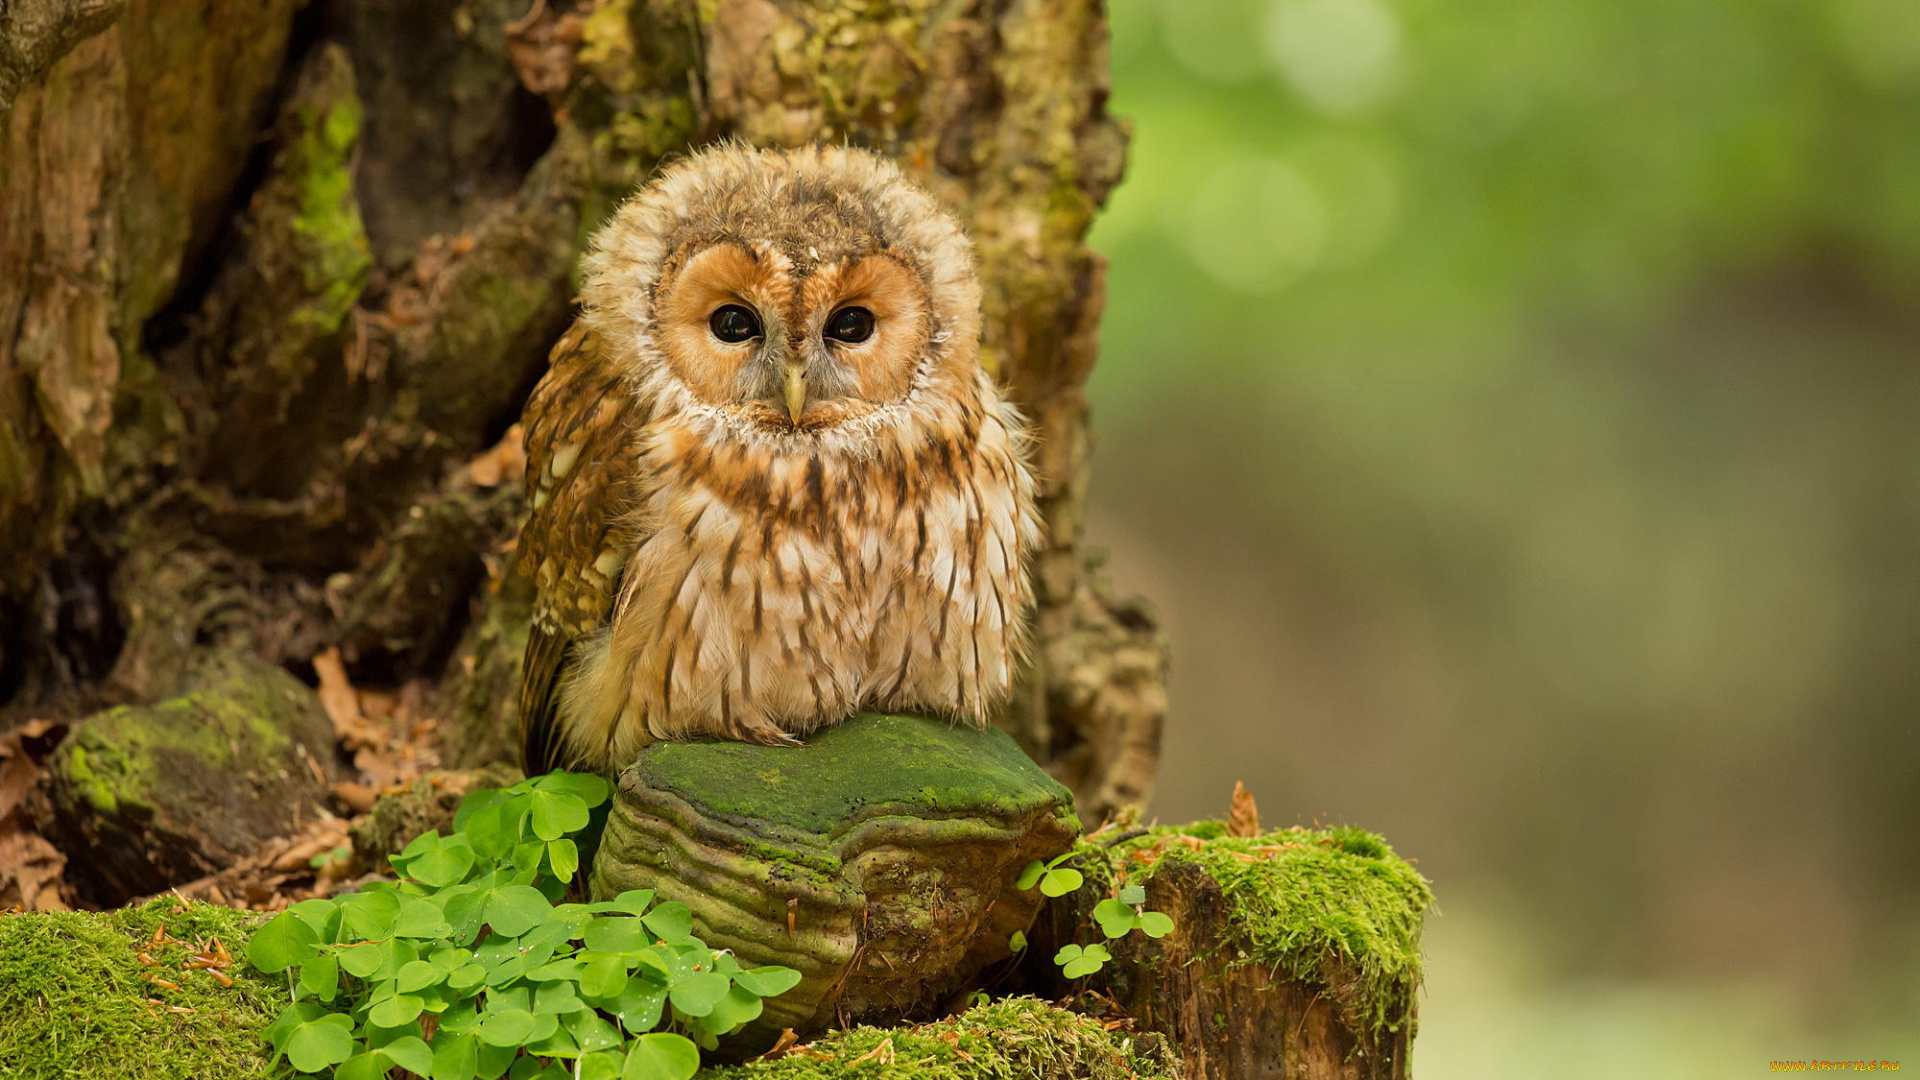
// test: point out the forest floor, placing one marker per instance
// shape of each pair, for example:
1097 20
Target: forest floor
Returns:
390 743
386 739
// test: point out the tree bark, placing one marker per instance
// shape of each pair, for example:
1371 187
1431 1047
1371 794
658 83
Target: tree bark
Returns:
270 277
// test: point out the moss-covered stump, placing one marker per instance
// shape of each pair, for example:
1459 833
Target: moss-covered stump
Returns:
1014 1038
76 1002
1294 954
143 797
878 859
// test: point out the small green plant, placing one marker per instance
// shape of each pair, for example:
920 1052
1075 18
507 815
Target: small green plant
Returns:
1116 916
468 966
1053 879
1076 961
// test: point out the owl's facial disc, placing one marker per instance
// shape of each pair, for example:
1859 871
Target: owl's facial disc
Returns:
795 348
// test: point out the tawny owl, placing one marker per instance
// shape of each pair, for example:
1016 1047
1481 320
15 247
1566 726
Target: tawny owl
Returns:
770 482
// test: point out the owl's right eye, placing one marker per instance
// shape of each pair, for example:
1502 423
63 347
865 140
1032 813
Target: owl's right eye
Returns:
733 324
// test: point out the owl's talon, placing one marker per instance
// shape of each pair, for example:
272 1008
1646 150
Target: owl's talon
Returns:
768 735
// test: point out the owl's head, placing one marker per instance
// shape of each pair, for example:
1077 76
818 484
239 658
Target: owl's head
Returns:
786 293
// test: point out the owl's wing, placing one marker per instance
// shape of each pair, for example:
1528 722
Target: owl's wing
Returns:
581 471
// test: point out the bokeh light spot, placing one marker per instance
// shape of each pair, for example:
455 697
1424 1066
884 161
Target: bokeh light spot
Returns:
1256 225
1343 56
1881 38
1210 39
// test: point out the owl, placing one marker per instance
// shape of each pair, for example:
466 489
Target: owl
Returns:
769 482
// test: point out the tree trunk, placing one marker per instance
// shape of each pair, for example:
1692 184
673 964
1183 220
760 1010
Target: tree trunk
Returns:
1232 1013
271 276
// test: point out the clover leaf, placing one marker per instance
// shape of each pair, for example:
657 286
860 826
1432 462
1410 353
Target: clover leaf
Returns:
283 942
1114 917
1076 961
472 944
766 982
661 1056
314 1044
555 814
1156 924
1053 879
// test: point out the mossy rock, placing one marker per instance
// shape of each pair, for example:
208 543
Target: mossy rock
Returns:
76 1000
878 859
146 796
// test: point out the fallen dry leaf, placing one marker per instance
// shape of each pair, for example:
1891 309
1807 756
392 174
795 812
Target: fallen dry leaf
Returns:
787 1043
503 461
300 855
17 771
1243 819
952 1039
882 1054
342 703
277 875
540 45
21 751
356 797
31 870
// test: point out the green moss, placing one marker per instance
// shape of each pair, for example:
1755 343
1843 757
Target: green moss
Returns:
648 132
1332 906
1014 1037
121 757
73 994
99 795
244 715
632 108
607 46
335 256
852 770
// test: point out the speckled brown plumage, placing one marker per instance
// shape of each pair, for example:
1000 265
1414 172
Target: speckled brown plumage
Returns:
713 555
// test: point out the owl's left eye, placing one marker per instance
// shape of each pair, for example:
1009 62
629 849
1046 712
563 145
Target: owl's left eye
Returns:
733 324
851 325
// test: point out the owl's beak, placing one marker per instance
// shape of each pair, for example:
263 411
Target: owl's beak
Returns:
795 372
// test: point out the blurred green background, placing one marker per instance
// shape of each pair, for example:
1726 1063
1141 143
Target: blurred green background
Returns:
1513 410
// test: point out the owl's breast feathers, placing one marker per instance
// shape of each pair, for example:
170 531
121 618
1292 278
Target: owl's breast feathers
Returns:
691 582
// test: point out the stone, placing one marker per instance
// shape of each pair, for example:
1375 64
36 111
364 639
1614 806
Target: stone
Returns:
142 797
